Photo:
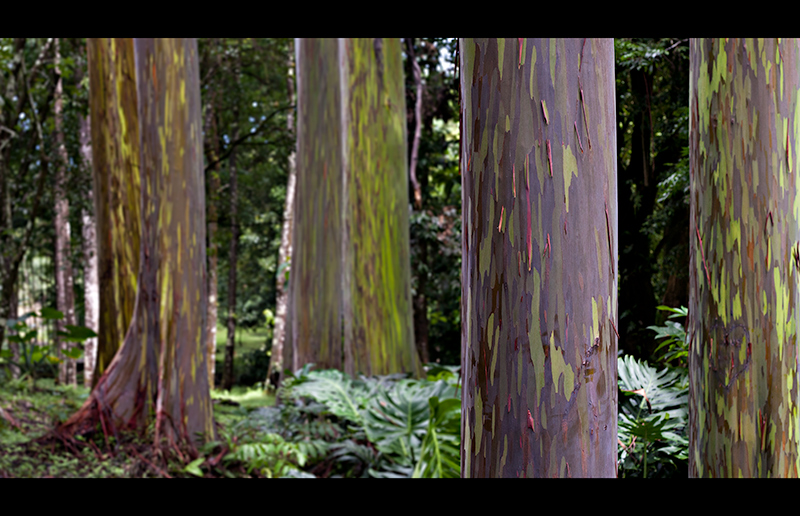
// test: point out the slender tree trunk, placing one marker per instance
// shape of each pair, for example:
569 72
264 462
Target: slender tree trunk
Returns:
161 368
421 272
539 344
212 142
65 295
117 189
227 371
745 258
412 168
91 296
285 251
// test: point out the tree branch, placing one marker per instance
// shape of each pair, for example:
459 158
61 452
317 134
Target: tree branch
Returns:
244 138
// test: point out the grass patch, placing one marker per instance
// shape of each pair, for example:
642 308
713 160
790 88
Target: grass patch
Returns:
37 410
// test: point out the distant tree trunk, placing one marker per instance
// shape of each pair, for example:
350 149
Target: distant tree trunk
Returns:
745 258
420 303
91 289
117 192
161 367
227 369
316 278
539 305
65 295
351 204
285 251
377 308
212 143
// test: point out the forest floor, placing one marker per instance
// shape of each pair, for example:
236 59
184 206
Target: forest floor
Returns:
29 412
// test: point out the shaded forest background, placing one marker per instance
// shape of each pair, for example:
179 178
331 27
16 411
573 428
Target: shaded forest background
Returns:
245 80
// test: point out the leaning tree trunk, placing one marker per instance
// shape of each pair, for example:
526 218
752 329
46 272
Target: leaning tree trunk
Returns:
745 258
114 123
285 251
539 305
161 367
351 267
65 295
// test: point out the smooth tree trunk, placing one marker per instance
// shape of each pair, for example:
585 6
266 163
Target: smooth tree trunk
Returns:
316 277
91 289
350 280
745 258
114 123
65 295
539 304
161 367
285 250
377 308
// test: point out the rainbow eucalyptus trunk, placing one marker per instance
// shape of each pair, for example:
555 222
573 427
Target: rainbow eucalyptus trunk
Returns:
114 122
539 340
161 367
350 279
745 256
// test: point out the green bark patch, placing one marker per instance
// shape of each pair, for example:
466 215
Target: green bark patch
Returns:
743 285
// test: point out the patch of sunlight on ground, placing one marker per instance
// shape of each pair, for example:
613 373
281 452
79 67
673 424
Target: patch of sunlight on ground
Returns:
246 397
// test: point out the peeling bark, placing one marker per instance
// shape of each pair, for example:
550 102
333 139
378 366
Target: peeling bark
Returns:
745 258
539 284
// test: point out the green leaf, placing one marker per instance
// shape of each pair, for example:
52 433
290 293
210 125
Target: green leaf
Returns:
80 332
193 468
51 313
343 396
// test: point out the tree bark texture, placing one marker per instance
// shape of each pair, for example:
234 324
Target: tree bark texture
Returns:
539 304
285 251
161 367
114 122
316 277
351 267
745 258
65 295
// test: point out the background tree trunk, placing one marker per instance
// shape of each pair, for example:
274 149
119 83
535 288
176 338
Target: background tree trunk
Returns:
285 251
161 368
212 143
316 277
65 295
117 189
745 256
227 368
377 308
352 203
91 296
539 305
